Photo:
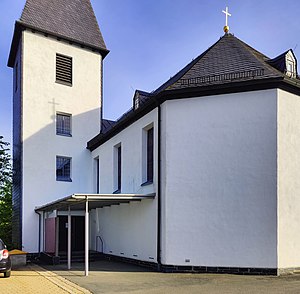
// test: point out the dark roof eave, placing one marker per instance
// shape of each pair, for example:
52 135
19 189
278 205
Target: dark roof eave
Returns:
20 26
14 44
119 126
235 87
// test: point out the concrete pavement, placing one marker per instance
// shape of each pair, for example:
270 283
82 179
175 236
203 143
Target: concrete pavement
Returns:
112 277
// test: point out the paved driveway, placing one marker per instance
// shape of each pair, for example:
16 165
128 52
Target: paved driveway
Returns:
112 277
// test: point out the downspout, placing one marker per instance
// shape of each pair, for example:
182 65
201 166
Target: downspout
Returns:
159 188
101 91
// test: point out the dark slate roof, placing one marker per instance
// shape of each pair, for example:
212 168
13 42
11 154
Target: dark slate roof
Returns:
141 97
229 59
106 125
279 62
228 66
72 20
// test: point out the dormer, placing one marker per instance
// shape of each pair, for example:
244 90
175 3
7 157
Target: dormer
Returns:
139 98
286 63
290 61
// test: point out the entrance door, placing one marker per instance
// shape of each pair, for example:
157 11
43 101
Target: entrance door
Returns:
77 233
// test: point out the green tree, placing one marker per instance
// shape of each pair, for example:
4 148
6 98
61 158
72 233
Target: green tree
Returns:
5 193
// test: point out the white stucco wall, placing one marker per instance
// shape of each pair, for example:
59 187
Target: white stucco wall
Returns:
288 180
42 98
219 184
130 229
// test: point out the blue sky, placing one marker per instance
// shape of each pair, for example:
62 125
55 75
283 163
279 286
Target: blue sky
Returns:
152 40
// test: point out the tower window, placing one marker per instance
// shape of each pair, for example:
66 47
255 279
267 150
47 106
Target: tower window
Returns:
63 124
63 169
64 69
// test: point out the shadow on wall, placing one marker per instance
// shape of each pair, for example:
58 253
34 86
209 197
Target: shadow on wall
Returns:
39 151
42 147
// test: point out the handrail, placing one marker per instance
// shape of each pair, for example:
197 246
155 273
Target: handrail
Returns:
102 243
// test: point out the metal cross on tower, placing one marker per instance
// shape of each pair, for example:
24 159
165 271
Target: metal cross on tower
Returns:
226 28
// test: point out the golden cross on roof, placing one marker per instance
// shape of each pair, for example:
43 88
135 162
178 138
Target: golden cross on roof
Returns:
226 28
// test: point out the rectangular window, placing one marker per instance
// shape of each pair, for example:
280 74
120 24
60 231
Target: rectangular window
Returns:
63 169
117 168
97 175
63 124
147 154
290 66
150 155
64 69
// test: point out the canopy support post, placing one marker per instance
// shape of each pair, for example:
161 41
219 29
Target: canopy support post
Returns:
86 237
69 238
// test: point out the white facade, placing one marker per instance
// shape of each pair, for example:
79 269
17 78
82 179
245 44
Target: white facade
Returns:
127 230
219 189
288 187
225 166
41 99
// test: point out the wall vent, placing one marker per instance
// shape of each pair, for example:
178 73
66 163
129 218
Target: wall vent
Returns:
63 69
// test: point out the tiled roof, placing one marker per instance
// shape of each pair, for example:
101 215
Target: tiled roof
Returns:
227 60
142 96
73 19
228 66
106 125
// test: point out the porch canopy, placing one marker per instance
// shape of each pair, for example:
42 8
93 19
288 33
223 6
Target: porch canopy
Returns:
78 201
87 202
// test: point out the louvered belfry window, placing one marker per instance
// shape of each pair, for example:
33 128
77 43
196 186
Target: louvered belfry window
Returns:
63 69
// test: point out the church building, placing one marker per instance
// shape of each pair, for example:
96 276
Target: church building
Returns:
201 174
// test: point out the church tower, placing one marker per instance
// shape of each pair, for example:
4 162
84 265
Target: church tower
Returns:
56 55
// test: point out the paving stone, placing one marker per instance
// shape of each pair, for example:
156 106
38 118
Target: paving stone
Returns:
34 279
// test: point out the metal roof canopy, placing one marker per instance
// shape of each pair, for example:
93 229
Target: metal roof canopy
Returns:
87 202
78 201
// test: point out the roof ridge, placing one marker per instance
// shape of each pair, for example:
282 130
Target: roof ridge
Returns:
184 70
228 58
264 62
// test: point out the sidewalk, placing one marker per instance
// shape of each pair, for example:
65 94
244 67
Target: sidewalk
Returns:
35 279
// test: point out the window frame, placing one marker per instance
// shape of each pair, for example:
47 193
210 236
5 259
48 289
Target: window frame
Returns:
148 151
97 175
290 65
61 133
150 155
117 161
64 178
